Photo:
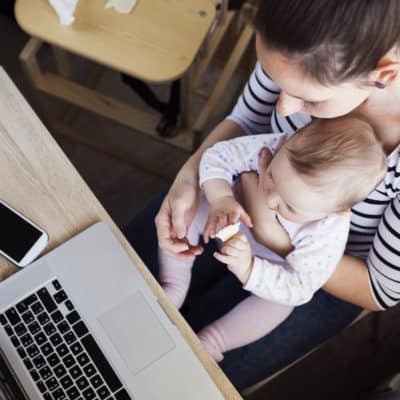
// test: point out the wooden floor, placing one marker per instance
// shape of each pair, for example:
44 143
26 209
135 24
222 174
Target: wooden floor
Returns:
349 365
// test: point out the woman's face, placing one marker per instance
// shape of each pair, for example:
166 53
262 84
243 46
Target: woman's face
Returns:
300 94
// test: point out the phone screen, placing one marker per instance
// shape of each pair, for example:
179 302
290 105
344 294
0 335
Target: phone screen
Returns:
17 236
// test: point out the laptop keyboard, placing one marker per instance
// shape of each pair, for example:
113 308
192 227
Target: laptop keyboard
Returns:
58 350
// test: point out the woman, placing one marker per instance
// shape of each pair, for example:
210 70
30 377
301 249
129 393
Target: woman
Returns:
318 59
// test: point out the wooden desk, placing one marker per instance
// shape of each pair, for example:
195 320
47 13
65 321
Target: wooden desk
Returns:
37 179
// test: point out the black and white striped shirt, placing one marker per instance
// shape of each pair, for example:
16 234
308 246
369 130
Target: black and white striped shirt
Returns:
375 223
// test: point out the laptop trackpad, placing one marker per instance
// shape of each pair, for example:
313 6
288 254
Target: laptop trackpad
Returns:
136 332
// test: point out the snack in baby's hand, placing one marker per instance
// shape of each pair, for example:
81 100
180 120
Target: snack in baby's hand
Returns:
226 233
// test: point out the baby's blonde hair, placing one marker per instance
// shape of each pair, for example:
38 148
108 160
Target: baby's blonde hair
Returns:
343 152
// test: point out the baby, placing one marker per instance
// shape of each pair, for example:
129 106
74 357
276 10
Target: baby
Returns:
314 178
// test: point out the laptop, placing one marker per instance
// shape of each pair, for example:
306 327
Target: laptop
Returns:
81 323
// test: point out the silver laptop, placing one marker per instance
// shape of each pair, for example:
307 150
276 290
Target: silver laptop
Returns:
81 323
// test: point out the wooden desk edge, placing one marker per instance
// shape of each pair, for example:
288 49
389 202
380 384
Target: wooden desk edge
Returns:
98 213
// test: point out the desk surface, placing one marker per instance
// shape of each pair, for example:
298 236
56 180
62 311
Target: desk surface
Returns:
37 179
156 42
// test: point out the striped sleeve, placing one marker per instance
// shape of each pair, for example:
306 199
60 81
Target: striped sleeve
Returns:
384 258
375 236
253 110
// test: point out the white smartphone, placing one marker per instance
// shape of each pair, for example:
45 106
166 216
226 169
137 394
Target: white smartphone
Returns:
21 241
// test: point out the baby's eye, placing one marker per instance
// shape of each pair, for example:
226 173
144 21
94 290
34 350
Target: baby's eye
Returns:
311 104
290 209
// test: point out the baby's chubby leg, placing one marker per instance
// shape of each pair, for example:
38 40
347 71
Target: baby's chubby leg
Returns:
250 320
175 274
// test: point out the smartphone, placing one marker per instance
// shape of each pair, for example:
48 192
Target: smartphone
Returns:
21 241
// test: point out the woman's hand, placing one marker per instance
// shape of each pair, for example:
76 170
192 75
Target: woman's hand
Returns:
175 215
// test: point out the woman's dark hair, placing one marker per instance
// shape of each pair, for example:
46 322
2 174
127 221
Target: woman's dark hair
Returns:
333 40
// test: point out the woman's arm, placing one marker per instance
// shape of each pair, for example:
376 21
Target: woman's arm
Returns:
179 206
251 113
350 282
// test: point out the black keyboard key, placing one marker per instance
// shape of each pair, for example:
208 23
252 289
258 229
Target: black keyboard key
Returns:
70 338
96 381
76 348
13 316
80 329
30 300
20 329
89 394
103 392
69 361
3 319
101 363
89 370
28 317
33 350
122 395
60 370
21 307
69 305
41 386
59 394
34 375
34 328
40 338
15 341
9 330
36 308
57 317
47 396
56 285
52 384
21 351
46 349
63 327
56 339
73 317
82 359
26 340
43 318
72 393
45 372
62 350
75 372
53 359
60 296
28 363
82 383
66 382
47 300
49 329
39 362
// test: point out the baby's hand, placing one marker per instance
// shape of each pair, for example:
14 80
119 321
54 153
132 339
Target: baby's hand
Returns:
236 253
224 211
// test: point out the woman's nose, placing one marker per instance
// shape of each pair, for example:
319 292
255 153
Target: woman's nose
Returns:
288 105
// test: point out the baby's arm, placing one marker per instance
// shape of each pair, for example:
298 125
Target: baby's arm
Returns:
308 267
219 165
229 158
